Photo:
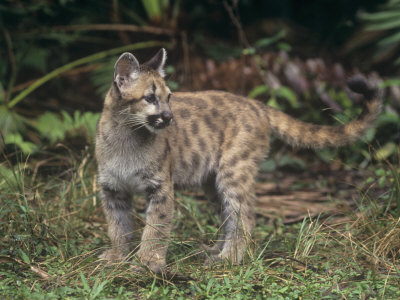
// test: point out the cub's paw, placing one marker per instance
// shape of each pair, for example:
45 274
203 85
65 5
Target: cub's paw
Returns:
154 262
112 255
211 250
214 259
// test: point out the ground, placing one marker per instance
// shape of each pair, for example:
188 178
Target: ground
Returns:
317 237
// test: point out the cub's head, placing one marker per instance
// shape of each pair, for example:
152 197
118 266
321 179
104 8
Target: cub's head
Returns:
140 96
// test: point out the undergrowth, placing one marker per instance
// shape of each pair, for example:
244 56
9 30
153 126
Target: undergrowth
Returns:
52 229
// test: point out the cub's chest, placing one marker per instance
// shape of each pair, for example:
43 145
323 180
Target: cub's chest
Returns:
126 169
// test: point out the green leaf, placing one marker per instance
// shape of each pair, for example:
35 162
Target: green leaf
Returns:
287 160
284 46
23 256
391 24
68 121
288 94
248 51
258 90
390 82
264 42
16 138
11 122
388 118
268 165
391 39
84 282
50 126
273 103
370 135
380 16
385 151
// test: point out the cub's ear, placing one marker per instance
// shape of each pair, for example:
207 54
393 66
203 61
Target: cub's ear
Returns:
126 70
158 61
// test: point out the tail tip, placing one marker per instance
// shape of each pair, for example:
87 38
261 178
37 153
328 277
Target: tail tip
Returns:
360 85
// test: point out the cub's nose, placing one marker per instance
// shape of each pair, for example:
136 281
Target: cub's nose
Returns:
167 116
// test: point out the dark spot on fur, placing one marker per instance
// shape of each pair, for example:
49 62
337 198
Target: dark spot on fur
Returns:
152 189
207 161
219 155
162 216
184 113
235 131
210 123
261 135
254 108
113 199
245 155
221 137
195 160
160 166
214 112
195 128
158 200
201 104
234 160
237 99
228 175
202 145
315 128
190 101
147 176
337 129
116 205
184 164
243 178
247 126
186 139
229 117
217 99
176 99
198 103
165 153
167 145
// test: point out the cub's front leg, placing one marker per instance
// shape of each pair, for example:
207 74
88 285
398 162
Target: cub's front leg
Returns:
117 208
156 233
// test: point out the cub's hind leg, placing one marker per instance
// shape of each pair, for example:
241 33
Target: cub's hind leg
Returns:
117 207
211 193
236 189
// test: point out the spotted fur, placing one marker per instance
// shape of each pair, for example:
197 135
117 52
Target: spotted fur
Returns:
149 141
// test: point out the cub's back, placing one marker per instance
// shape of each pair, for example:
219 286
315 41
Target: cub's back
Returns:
208 125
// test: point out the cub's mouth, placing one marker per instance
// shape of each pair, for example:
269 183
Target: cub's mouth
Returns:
160 121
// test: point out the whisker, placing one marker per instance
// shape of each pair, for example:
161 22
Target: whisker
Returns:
138 127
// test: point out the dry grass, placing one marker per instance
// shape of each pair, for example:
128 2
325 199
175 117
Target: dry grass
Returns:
52 230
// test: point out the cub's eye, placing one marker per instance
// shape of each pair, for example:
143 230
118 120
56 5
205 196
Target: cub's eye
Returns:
169 97
150 98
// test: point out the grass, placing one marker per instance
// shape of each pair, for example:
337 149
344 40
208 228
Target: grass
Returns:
52 229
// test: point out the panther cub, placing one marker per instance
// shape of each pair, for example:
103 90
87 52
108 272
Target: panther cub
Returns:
150 140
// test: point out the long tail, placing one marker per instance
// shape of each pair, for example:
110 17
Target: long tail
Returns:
301 134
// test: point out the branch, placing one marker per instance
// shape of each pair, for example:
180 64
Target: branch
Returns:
108 27
81 61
